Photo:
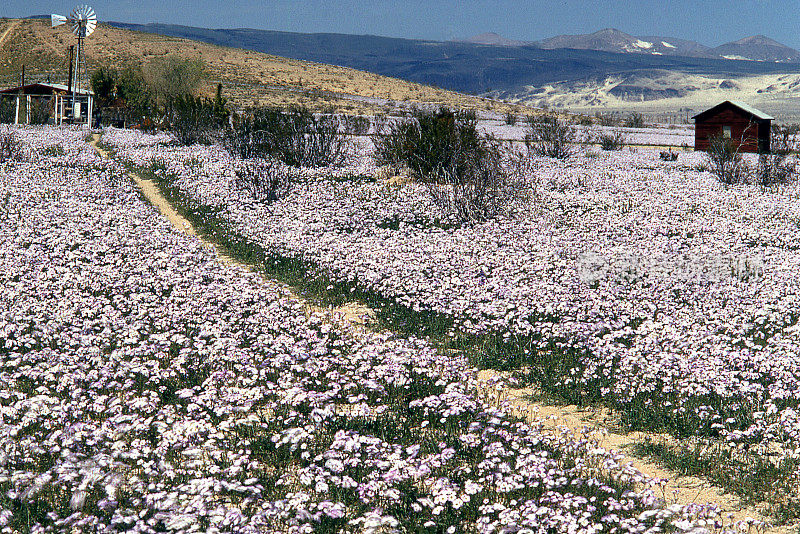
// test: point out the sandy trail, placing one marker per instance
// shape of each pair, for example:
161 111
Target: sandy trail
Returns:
597 424
13 26
587 422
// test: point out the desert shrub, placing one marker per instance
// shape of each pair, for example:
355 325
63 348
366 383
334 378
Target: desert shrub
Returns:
605 120
635 120
464 172
550 137
585 120
430 141
725 161
39 111
611 141
10 148
481 186
7 110
511 119
265 180
296 137
197 120
668 155
775 169
356 124
782 139
779 166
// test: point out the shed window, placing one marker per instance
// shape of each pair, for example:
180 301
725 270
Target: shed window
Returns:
726 132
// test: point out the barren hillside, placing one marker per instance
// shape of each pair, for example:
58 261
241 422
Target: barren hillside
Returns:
248 77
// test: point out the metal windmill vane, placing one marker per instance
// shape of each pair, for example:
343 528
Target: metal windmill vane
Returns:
83 21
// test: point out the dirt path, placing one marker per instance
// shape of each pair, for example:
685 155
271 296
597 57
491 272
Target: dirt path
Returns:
13 26
595 423
587 422
352 312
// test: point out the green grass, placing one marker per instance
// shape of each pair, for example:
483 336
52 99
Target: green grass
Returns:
751 477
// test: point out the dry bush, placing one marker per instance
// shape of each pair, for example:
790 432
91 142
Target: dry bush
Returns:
547 136
266 180
464 172
635 120
356 124
725 160
611 141
10 149
485 187
779 166
297 137
668 155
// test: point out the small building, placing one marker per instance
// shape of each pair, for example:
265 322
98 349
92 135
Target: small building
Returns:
48 103
747 127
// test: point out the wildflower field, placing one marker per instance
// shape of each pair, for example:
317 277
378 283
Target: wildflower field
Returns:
643 285
145 386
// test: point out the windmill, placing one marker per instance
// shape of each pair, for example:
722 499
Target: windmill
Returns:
83 21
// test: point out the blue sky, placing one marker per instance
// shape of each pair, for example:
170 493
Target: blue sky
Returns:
710 22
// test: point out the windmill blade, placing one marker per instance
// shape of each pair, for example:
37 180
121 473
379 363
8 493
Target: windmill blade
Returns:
57 20
91 24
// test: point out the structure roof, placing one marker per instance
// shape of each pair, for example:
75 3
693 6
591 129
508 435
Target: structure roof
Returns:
760 115
52 86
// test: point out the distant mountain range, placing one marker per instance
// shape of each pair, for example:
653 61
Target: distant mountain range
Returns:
602 69
755 48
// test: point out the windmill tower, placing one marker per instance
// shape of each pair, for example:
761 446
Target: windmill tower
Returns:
83 21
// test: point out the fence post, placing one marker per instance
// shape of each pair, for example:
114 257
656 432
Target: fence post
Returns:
89 111
16 110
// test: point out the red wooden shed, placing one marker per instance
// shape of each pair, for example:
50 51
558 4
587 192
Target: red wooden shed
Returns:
747 127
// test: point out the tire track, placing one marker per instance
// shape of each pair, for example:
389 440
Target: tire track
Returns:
13 26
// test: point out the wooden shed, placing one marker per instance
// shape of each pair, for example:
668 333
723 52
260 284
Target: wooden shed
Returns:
58 102
747 127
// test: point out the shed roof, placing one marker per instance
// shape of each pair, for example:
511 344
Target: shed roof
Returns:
31 88
760 115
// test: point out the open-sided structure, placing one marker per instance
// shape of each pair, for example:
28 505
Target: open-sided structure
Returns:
46 103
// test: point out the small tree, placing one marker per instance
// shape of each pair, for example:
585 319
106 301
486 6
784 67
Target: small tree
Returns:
169 77
198 120
104 85
547 136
